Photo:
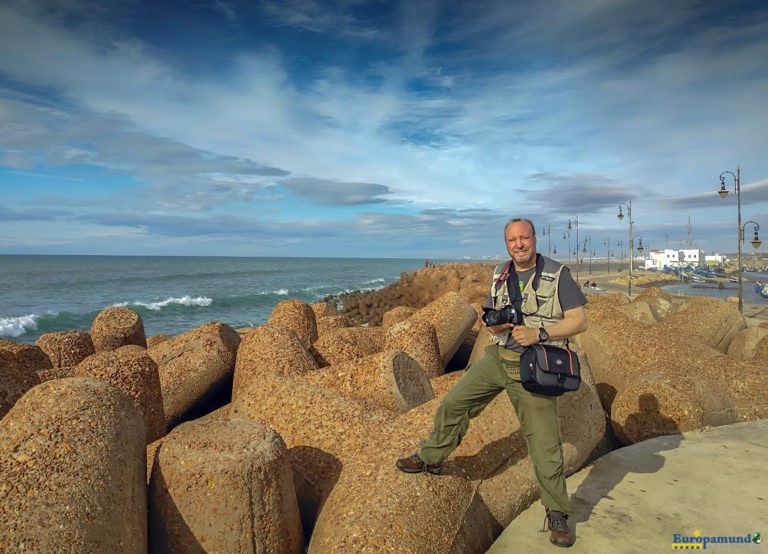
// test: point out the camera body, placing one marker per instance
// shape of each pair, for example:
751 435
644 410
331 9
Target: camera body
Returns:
507 314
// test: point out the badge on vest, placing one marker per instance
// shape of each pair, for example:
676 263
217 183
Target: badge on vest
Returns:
547 277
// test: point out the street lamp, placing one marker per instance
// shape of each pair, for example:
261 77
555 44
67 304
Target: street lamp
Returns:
756 242
548 232
569 245
723 192
573 222
584 251
631 244
607 244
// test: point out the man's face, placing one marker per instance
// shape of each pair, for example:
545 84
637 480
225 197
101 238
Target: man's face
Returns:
521 244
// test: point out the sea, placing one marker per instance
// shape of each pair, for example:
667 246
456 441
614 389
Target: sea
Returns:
42 294
730 289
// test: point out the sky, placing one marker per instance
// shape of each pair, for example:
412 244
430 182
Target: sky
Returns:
380 128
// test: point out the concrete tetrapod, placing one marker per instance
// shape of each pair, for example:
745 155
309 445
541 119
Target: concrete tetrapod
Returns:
297 316
19 367
418 339
194 366
72 470
656 379
270 348
130 369
115 327
66 348
223 486
391 380
452 316
348 343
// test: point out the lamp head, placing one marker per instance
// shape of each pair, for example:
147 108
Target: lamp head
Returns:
756 242
621 215
723 192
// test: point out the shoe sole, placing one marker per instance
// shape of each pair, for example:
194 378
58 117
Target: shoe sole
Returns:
432 470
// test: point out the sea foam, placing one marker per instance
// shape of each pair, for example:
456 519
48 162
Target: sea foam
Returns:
183 301
17 326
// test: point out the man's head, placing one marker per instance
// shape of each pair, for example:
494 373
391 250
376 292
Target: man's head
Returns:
520 238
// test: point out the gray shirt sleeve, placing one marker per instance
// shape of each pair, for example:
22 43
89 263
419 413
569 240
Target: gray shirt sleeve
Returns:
568 292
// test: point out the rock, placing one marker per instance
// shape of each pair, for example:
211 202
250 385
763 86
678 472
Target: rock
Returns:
154 340
223 486
391 380
328 323
418 339
713 320
639 311
193 367
297 316
347 344
322 430
133 371
271 348
66 348
744 344
115 327
324 309
452 316
72 470
19 366
396 315
56 373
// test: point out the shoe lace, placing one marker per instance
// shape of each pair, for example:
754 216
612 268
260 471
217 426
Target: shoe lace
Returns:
556 521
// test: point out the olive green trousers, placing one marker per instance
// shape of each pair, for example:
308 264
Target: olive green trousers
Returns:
537 414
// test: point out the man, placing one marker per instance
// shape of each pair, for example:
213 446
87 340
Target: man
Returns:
553 308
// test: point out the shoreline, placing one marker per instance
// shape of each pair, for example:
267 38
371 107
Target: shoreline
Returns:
603 280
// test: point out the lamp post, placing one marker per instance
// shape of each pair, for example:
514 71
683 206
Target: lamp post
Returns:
631 243
607 244
548 232
584 251
620 244
569 245
723 192
573 222
756 242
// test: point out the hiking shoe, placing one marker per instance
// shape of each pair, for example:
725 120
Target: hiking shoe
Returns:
560 534
414 464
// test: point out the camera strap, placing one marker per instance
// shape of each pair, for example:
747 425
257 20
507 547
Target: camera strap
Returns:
514 286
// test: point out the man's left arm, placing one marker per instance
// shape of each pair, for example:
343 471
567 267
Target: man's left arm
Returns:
574 322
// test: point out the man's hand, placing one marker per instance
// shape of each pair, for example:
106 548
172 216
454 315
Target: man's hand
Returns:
499 328
525 336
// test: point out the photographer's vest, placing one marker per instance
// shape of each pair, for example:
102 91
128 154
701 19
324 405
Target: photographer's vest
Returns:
540 302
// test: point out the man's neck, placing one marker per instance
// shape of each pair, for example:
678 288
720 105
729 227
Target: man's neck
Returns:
528 266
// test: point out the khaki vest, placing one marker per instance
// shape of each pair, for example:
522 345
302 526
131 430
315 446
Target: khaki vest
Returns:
540 307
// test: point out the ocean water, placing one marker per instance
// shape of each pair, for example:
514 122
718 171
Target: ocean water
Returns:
749 295
41 294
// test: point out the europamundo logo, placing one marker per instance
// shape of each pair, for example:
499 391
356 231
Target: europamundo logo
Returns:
699 541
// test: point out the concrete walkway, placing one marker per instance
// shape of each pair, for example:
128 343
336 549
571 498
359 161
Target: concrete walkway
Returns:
710 483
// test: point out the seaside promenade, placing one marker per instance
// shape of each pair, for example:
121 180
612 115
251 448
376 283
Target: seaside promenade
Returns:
654 495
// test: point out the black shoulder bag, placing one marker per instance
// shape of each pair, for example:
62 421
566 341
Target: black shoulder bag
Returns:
549 370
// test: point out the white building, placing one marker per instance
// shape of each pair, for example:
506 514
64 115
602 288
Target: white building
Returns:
674 258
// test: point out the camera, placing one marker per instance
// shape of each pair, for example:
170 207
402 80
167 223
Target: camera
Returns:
507 314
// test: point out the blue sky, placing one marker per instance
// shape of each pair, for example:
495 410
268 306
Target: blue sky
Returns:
377 128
